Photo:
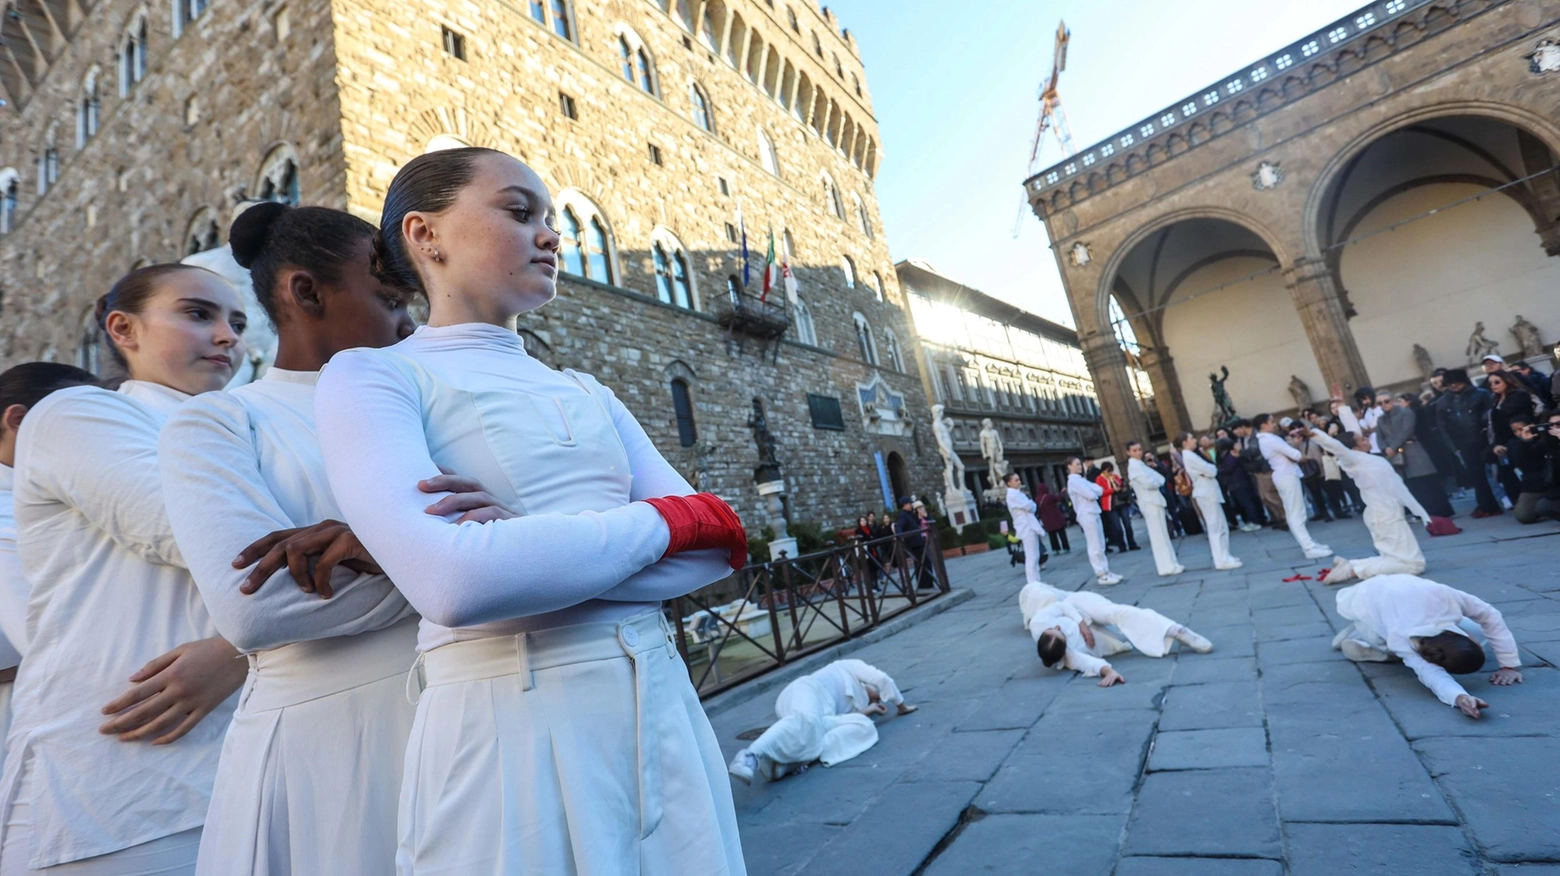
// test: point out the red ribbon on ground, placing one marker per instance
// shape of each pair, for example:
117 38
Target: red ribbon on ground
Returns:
1299 577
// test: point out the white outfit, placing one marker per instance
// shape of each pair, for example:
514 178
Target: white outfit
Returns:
1386 497
1086 505
820 715
1284 460
1210 499
1368 424
13 603
1390 611
311 768
1146 483
1146 630
557 714
1027 527
109 592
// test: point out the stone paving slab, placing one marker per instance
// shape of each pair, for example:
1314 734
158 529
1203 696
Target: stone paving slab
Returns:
1422 850
1009 767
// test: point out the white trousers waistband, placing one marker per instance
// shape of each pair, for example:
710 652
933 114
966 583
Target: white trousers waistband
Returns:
304 671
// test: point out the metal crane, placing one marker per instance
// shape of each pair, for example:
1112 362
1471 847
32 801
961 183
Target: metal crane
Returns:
1052 117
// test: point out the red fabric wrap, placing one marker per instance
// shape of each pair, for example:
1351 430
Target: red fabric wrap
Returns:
702 521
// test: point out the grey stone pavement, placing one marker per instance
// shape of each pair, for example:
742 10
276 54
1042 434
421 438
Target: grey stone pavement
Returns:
1272 755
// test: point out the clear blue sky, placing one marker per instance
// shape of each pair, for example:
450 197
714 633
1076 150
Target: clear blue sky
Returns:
955 96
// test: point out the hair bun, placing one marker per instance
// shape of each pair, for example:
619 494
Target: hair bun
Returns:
252 229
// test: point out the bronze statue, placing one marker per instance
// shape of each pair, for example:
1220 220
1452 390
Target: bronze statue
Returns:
1223 406
768 459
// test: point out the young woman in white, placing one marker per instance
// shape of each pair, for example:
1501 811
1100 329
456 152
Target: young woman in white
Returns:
21 388
1209 499
311 767
557 731
1086 505
1025 525
109 593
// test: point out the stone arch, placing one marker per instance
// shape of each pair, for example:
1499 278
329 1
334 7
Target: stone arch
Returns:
451 121
677 369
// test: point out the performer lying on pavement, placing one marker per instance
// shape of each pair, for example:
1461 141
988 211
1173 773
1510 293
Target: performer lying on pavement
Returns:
825 716
1418 621
1067 629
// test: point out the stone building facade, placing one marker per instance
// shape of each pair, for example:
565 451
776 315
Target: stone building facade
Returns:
1247 225
662 128
982 359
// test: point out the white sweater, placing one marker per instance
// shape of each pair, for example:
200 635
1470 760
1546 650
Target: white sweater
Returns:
557 446
1146 482
1280 455
1023 510
109 592
13 586
237 466
846 680
1085 496
1204 475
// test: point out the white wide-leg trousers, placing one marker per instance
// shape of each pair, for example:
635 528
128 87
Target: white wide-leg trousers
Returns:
1094 536
1218 530
1159 539
1293 497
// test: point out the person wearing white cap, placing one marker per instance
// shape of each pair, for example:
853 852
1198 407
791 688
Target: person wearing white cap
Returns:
1419 622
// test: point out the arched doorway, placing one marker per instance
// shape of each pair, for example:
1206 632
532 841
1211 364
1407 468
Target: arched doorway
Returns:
898 475
1463 197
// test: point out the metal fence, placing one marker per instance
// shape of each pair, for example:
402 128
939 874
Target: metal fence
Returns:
771 614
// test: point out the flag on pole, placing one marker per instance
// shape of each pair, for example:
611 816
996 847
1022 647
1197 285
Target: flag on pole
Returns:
742 228
788 279
771 268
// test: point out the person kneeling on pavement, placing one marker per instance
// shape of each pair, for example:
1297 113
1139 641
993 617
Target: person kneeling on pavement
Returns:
1420 622
825 717
1535 451
1068 629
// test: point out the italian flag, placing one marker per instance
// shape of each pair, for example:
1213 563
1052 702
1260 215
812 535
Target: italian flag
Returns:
771 268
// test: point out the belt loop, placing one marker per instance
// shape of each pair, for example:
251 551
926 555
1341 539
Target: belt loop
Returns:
416 674
523 646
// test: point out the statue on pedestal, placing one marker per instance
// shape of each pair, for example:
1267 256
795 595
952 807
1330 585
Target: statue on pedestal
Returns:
768 459
1478 345
1299 392
1223 407
991 448
1423 362
1526 334
953 467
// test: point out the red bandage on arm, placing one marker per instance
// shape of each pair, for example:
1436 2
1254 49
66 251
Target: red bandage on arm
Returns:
702 521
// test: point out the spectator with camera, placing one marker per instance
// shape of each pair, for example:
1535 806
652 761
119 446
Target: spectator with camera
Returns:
1535 452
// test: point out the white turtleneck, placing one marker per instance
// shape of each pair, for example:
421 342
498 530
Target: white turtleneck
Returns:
556 446
108 592
237 466
13 586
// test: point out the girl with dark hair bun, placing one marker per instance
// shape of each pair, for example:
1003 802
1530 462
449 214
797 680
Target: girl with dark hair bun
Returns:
557 731
110 599
311 767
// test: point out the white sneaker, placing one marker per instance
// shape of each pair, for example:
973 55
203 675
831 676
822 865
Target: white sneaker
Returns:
1340 572
1249 527
1231 566
743 766
1110 578
1319 552
1192 640
1176 571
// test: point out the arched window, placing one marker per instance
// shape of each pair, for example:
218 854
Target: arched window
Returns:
848 268
682 406
185 12
673 279
817 46
766 153
788 246
790 15
562 23
877 285
838 69
861 216
637 66
734 40
806 332
10 189
703 113
539 11
585 244
202 233
831 197
49 161
891 345
684 14
278 177
87 109
856 80
709 34
864 341
89 346
132 55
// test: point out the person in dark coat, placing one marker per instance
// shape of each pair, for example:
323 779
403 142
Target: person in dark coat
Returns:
1397 434
1238 485
1511 400
1463 412
1052 518
908 526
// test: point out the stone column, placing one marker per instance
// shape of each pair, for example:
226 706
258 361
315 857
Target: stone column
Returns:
1316 298
1118 406
1167 390
1545 189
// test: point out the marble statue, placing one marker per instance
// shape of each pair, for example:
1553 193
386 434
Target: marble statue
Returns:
1223 406
1299 392
1423 362
1478 345
1526 334
991 448
953 467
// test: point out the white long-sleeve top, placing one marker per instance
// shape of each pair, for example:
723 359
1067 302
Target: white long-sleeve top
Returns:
1080 657
1204 475
847 680
1376 477
1085 496
1368 422
1280 455
13 587
1392 610
108 592
237 466
556 446
1146 482
1023 510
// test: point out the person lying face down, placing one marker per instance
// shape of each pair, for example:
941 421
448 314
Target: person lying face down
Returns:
1419 621
1070 632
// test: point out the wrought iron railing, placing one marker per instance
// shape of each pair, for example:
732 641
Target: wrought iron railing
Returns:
771 614
747 313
